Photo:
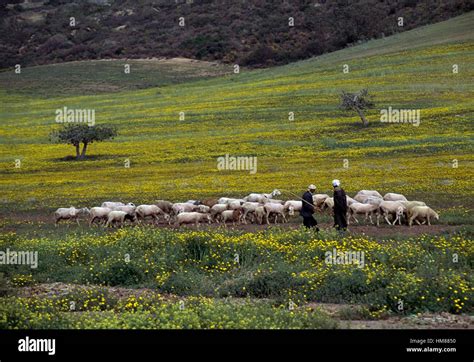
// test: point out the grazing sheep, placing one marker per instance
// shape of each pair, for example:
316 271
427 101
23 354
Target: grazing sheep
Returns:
117 216
273 201
328 204
217 210
373 200
99 213
231 215
192 218
411 204
226 200
180 207
260 214
362 209
127 208
293 205
394 208
394 197
194 202
112 204
318 200
362 194
248 208
164 205
236 204
261 197
69 213
423 213
273 208
144 211
203 209
350 200
210 202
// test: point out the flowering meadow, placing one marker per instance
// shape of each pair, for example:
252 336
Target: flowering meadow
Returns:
208 272
172 135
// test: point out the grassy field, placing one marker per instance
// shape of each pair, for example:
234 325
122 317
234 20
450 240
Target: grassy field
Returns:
230 279
247 114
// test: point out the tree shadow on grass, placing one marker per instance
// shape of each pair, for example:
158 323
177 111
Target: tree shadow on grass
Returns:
71 158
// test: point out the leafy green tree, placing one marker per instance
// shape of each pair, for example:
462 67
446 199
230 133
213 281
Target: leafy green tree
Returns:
358 102
77 134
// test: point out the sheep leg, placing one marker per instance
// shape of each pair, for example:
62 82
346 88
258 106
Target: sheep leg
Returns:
386 218
428 218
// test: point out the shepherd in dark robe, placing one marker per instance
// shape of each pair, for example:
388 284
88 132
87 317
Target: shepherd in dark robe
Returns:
307 209
340 206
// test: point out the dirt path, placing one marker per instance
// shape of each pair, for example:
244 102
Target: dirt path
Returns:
384 230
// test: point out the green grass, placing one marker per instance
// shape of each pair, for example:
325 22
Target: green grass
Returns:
247 114
106 76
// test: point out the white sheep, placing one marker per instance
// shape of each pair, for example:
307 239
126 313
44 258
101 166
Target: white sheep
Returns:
374 200
364 193
192 218
180 207
226 200
231 215
235 204
117 216
422 213
248 208
164 205
217 210
261 197
69 213
111 204
394 197
350 200
99 213
365 209
293 205
411 204
144 211
394 208
273 208
203 209
260 214
328 204
318 200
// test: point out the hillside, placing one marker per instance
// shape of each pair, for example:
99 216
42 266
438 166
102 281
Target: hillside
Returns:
247 114
250 33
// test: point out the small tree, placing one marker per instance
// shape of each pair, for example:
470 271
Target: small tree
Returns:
75 134
358 102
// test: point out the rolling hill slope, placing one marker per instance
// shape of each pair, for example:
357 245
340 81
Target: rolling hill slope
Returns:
248 114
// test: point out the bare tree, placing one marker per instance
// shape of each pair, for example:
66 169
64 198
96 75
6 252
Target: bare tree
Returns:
358 102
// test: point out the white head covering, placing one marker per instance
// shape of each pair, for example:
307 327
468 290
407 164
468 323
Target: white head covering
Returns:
311 187
336 183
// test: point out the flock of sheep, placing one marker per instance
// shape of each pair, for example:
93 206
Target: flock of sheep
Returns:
254 208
